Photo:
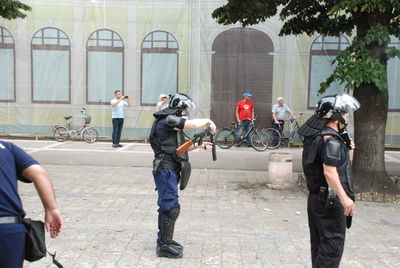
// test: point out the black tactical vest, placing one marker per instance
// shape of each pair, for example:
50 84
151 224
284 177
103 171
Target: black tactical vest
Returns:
168 145
313 165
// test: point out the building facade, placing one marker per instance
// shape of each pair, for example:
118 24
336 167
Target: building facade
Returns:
71 54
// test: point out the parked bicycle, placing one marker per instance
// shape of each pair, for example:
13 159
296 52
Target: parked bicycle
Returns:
227 137
276 137
62 132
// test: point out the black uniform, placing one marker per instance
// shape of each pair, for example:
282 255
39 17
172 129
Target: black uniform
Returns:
326 218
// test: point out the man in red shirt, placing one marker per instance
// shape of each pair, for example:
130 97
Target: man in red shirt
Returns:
244 115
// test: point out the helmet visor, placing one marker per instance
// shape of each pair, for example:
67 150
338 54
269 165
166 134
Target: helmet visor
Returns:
346 103
190 111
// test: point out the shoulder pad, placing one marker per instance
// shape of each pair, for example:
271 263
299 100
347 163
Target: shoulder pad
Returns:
332 152
312 126
164 112
175 121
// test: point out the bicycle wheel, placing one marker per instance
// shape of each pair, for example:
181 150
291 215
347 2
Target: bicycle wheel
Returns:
89 135
259 141
225 138
60 134
273 137
297 138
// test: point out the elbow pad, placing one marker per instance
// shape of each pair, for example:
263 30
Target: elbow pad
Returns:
332 152
175 121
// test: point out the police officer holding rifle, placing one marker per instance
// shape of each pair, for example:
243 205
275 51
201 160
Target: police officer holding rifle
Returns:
327 167
171 166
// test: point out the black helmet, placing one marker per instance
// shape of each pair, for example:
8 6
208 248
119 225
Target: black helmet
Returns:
330 107
180 102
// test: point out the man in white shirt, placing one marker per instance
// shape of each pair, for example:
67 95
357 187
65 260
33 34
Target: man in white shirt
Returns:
118 105
163 103
279 112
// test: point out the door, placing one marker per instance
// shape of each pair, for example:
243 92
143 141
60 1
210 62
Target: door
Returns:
241 62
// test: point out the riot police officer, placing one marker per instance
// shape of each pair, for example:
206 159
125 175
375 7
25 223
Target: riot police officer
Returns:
327 167
168 167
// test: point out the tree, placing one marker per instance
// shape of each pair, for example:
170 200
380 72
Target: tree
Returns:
362 66
11 9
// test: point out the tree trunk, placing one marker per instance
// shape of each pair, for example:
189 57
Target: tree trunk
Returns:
370 123
369 129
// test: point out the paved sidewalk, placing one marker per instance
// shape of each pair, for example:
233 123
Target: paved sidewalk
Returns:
228 219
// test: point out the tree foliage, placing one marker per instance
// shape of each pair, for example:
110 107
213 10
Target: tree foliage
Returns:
12 9
362 66
373 20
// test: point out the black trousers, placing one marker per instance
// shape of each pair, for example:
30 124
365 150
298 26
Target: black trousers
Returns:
327 232
280 126
118 123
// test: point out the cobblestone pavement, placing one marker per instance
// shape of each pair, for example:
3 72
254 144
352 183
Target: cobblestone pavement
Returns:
228 219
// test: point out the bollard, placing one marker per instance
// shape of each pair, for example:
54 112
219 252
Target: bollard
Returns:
280 171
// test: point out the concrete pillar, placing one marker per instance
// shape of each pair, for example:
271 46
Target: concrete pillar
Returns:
280 171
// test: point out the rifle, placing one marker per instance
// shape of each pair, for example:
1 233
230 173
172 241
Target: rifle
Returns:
181 150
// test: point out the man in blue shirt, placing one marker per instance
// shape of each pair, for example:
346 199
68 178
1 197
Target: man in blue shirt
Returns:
118 105
16 164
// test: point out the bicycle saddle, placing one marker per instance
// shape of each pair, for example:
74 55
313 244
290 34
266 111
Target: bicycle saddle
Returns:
68 117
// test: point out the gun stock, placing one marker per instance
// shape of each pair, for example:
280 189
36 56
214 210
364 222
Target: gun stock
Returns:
184 148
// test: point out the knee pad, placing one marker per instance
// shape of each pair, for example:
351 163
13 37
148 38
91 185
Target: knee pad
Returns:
167 224
174 213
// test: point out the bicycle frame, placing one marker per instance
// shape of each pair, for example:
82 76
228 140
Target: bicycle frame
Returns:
250 130
68 125
293 126
62 132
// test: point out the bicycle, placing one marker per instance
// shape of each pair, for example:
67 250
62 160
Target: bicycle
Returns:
227 137
277 136
62 132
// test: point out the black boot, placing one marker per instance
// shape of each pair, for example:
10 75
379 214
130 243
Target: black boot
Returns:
171 248
177 245
169 251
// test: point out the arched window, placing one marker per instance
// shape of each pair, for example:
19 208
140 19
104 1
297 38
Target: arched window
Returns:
105 66
323 51
51 63
7 66
159 66
393 75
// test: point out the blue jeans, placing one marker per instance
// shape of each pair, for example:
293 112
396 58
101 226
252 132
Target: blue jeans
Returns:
118 123
167 187
242 130
12 245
